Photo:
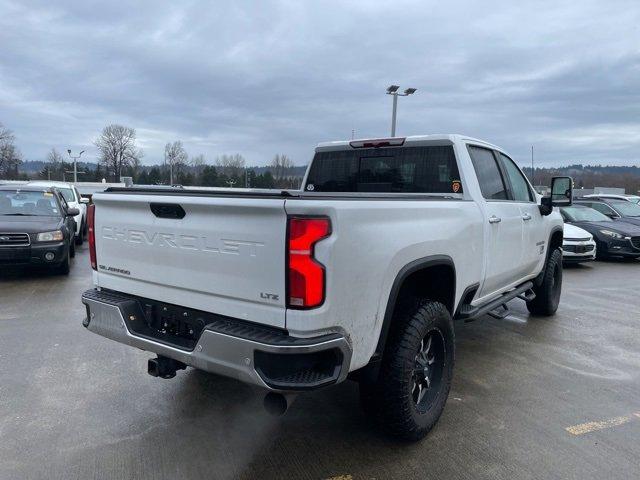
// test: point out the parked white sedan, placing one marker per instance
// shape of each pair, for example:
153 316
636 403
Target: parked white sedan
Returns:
578 245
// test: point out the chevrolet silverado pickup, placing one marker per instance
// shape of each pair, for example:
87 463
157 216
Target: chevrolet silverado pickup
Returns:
358 274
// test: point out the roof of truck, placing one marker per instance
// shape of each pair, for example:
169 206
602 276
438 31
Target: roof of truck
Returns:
414 139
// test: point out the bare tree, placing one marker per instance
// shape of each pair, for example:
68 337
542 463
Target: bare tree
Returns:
175 157
6 135
10 156
282 170
117 146
231 165
198 163
135 166
55 164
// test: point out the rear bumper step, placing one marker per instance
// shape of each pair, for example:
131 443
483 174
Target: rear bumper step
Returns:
266 357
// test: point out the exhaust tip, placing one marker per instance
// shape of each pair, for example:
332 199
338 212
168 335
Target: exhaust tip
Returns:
276 403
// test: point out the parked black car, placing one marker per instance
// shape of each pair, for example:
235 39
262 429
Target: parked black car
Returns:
615 209
613 237
36 227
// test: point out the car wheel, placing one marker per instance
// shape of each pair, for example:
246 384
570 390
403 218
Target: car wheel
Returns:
72 250
415 376
79 238
64 267
548 292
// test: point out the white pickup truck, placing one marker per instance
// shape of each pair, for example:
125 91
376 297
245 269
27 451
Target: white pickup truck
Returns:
360 273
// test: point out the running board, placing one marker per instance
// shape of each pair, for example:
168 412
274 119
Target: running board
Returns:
524 292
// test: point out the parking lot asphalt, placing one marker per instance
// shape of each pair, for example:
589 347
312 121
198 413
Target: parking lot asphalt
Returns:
532 398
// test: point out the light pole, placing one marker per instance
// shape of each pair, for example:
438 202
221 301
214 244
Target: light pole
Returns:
393 90
533 174
75 164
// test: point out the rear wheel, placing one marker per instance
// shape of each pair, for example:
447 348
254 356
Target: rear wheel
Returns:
548 293
415 376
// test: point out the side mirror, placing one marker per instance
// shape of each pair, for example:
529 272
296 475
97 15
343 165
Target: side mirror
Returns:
84 200
561 195
561 191
72 212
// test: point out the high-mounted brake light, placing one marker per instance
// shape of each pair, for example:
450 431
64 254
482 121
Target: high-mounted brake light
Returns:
378 142
91 220
306 276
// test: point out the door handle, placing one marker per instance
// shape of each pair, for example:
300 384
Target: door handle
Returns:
526 217
494 219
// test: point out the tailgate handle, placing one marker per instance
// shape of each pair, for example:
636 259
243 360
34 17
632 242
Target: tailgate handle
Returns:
167 210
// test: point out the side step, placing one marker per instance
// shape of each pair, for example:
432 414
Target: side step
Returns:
497 308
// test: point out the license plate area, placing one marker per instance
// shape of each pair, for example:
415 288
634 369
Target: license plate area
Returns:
170 324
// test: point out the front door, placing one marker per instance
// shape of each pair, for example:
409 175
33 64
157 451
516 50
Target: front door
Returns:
504 223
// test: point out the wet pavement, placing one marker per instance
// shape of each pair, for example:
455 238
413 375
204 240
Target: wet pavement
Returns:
532 398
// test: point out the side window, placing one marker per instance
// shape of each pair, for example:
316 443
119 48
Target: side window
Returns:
63 202
519 186
602 208
488 173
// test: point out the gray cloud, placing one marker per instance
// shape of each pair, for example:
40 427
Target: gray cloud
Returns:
263 77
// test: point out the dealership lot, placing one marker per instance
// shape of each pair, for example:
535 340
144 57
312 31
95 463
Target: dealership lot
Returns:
531 398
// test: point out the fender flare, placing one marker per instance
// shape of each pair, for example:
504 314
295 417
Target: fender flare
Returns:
403 274
538 280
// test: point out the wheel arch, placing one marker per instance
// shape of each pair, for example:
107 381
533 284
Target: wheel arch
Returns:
432 277
555 241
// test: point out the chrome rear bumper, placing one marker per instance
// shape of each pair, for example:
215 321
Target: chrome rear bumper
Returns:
275 362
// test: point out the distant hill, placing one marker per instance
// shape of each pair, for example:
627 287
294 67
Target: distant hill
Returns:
590 176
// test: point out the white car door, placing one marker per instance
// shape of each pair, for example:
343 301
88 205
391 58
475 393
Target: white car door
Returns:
504 227
534 241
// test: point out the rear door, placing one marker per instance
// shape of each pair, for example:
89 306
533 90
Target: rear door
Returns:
220 254
504 230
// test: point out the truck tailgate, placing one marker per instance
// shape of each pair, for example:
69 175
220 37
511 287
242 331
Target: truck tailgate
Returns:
226 254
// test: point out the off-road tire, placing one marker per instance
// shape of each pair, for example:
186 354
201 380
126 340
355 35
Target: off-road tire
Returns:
548 292
390 400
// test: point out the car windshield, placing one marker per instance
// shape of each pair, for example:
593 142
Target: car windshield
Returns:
627 209
18 203
583 214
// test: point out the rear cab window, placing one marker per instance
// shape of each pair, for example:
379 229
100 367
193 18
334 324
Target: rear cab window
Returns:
430 169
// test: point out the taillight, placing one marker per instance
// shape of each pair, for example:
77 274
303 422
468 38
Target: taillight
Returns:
91 220
306 285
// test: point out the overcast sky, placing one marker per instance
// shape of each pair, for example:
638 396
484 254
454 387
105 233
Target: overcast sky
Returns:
264 77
